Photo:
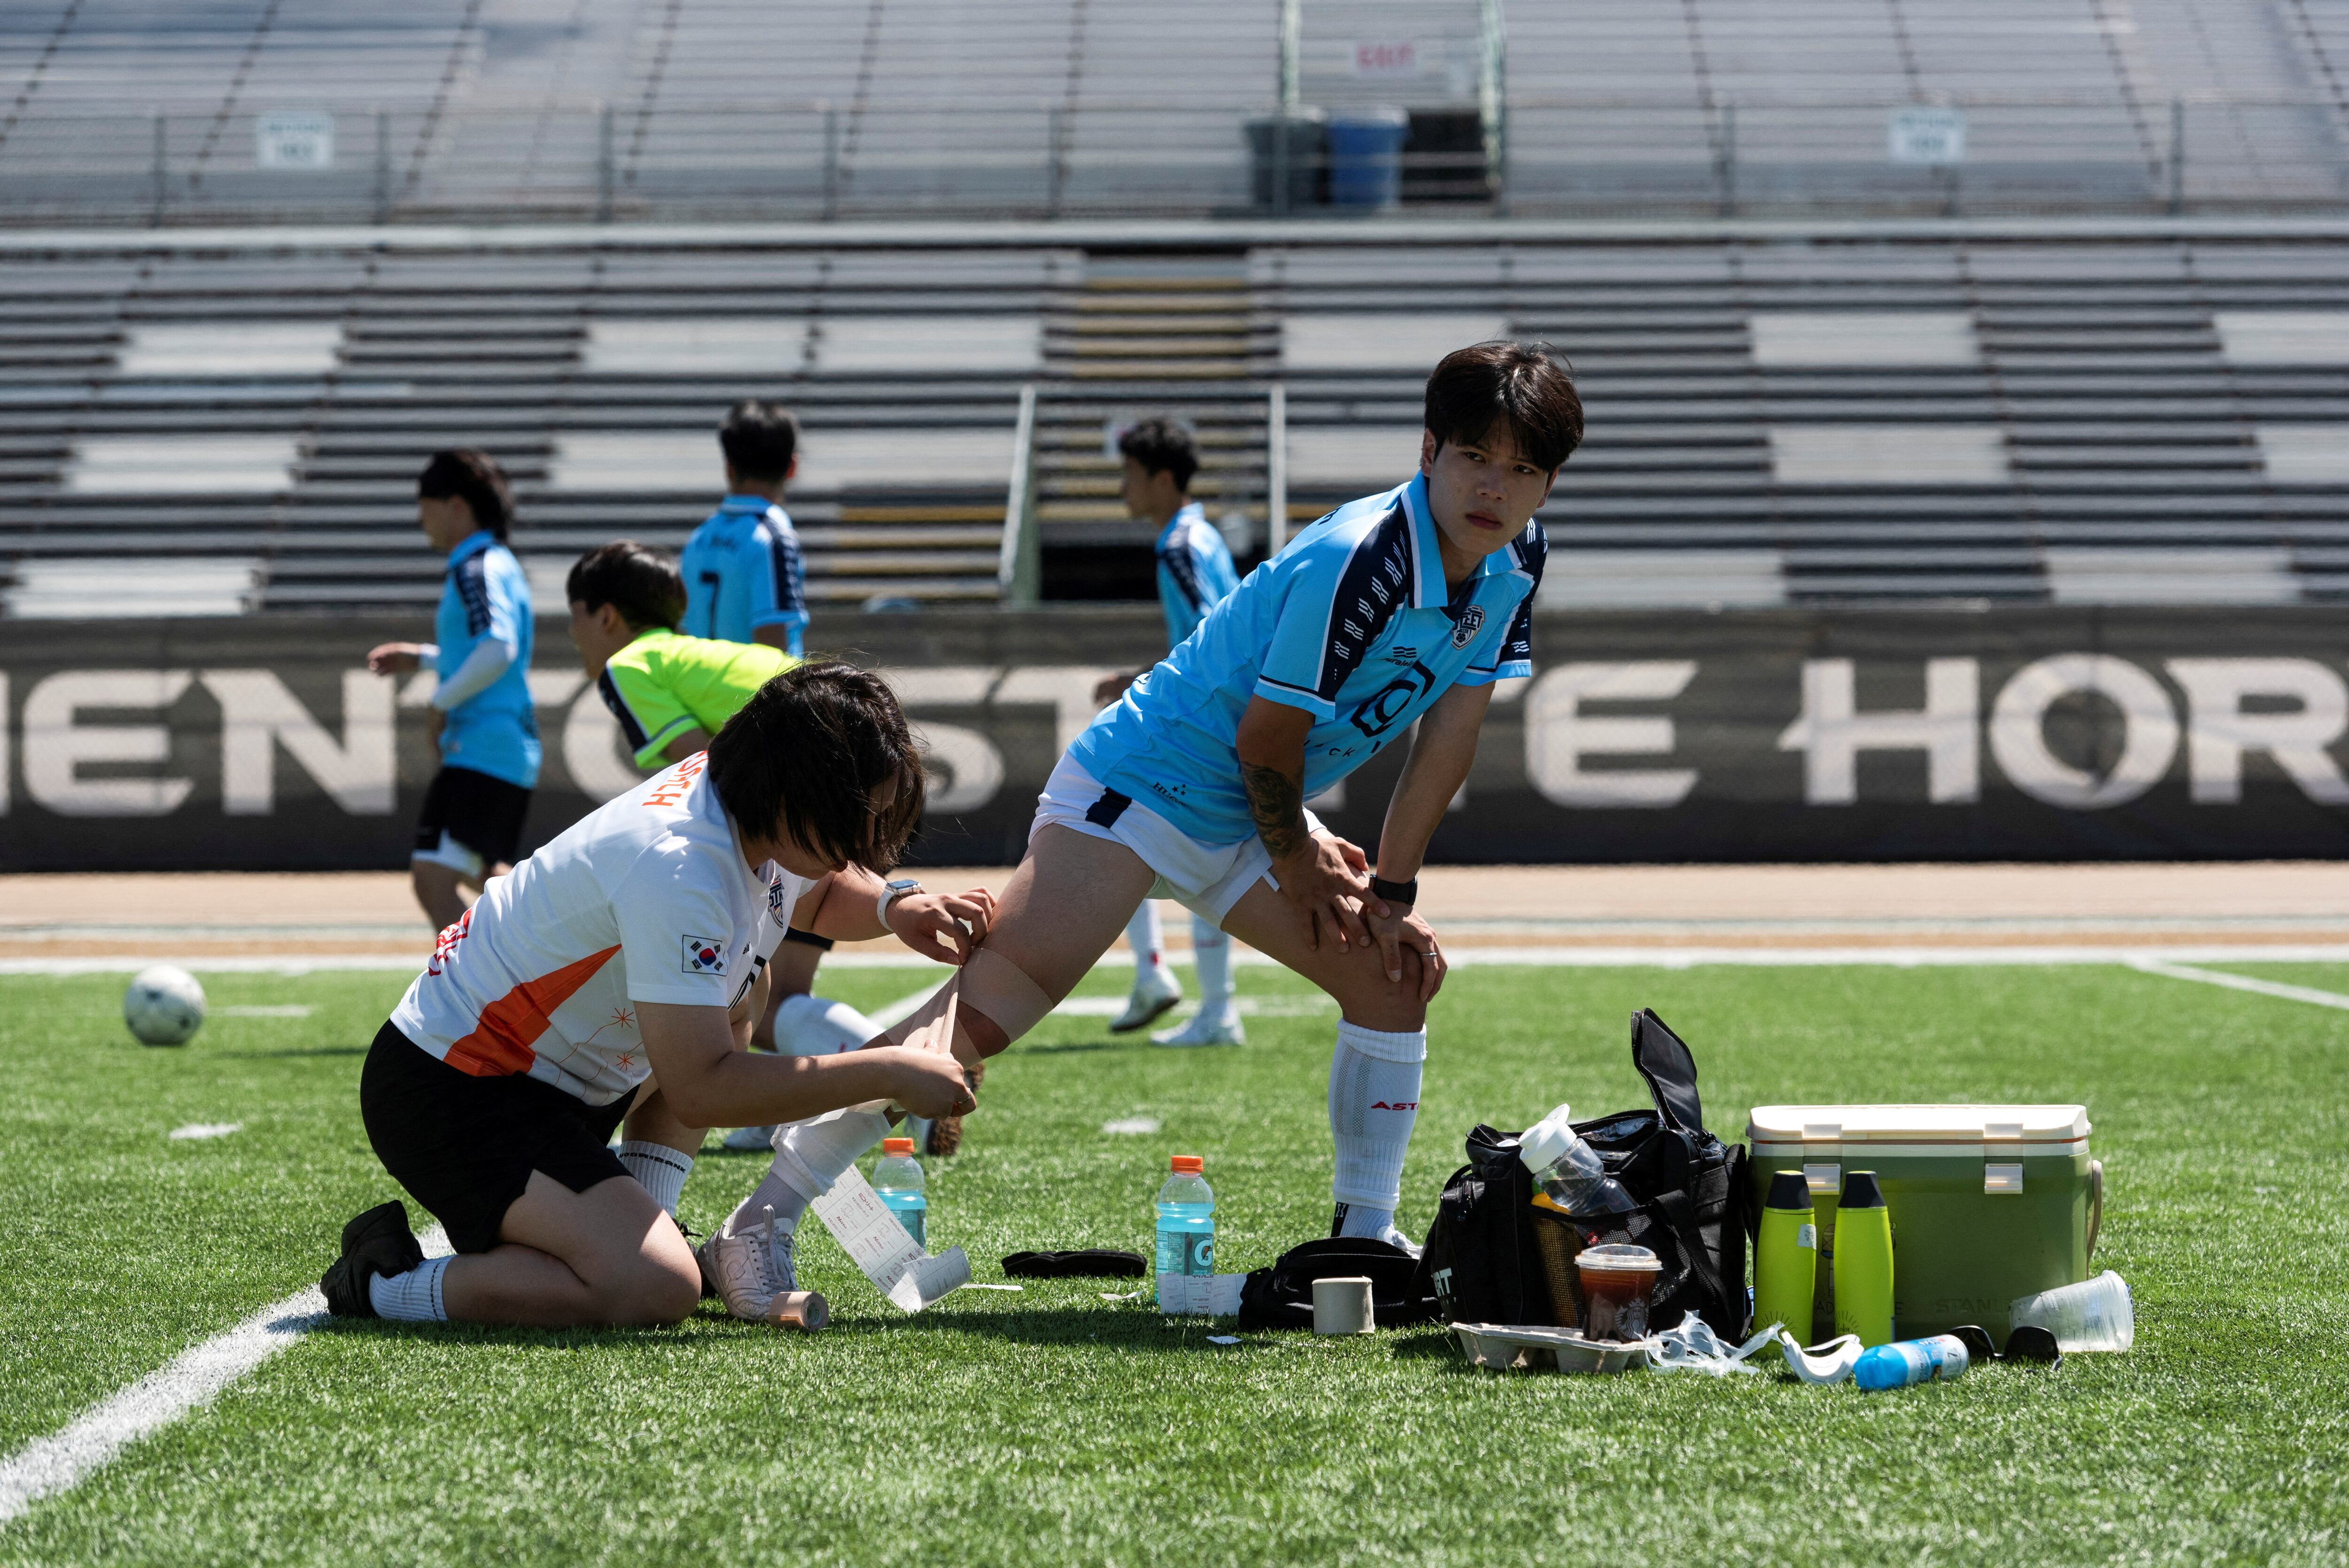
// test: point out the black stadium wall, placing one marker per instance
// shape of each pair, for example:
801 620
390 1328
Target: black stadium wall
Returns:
1784 735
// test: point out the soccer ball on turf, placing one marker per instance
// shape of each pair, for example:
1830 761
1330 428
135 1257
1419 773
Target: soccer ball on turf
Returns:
164 1005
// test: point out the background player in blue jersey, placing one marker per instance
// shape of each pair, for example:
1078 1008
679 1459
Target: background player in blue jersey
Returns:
471 826
1398 608
1195 574
744 580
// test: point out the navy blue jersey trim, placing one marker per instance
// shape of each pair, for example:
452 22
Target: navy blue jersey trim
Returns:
1374 587
791 576
472 581
609 691
1183 568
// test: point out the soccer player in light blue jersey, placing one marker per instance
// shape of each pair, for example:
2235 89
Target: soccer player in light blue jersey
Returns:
1403 608
1194 576
470 827
744 579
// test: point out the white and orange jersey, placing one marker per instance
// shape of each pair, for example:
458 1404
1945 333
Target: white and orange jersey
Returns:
646 900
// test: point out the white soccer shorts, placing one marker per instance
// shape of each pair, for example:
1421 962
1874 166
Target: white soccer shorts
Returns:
1205 879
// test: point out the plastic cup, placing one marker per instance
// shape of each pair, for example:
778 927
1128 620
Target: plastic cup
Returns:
1617 1283
2095 1314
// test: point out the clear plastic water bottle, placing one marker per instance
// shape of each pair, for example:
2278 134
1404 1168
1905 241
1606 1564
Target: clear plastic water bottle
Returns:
1911 1361
898 1179
1567 1169
1186 1220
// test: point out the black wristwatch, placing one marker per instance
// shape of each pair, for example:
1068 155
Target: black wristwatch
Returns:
1395 892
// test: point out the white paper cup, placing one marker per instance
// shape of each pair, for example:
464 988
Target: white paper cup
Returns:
1342 1306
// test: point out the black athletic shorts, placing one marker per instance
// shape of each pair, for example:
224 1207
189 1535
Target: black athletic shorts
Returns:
483 813
464 1147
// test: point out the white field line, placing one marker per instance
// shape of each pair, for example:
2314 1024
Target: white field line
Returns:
2177 970
1910 957
56 1463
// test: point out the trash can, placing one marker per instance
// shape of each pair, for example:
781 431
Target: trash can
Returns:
1366 156
1307 157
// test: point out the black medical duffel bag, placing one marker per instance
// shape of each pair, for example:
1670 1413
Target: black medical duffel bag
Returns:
1484 1263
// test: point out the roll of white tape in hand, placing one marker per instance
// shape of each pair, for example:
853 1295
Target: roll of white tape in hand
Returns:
1342 1306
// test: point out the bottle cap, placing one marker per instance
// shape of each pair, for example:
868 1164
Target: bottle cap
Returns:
1860 1190
1188 1164
1789 1191
896 1146
1539 1145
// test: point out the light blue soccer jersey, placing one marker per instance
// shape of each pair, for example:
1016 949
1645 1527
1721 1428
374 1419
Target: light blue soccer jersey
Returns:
1195 571
487 594
1352 622
742 570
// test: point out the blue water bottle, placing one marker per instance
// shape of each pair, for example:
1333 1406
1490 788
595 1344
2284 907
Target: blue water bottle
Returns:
898 1179
1906 1362
1186 1220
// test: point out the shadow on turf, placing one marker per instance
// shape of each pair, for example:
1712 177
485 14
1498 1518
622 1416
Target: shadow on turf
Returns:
304 1051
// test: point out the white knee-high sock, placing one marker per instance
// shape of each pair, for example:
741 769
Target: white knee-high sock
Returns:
816 1027
1144 936
412 1297
1374 1081
1211 950
658 1170
808 1158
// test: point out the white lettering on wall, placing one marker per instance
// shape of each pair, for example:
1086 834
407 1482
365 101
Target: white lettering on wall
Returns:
258 715
1559 734
2218 732
56 745
973 768
2018 730
1831 732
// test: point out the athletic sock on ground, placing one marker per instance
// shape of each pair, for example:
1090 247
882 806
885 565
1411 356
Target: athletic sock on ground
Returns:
818 1026
412 1297
1142 934
808 1158
1211 950
1375 1079
658 1170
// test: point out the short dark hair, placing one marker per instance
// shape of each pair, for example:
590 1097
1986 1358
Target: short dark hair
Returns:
1162 446
805 756
760 440
640 583
1477 390
474 477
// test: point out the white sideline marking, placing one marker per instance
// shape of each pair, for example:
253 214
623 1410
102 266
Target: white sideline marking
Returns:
269 1010
207 1129
1136 1125
46 1466
2243 982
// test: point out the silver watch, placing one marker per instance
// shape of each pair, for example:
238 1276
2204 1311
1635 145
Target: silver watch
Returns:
891 892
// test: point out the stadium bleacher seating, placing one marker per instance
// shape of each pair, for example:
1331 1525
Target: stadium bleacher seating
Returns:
1785 422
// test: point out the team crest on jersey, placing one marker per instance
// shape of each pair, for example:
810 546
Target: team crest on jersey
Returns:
703 955
778 903
1472 621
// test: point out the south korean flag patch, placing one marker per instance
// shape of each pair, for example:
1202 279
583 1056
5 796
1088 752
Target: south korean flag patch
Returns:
703 955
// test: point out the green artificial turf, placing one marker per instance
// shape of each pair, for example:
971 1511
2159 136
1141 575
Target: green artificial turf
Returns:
1053 1426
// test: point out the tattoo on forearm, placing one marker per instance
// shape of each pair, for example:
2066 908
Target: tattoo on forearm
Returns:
1278 804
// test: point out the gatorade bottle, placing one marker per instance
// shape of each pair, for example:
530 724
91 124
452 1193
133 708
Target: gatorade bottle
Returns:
1863 1260
1785 1258
1186 1220
1912 1361
898 1179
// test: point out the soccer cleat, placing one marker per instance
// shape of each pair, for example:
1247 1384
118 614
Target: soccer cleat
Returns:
750 1269
1155 991
1221 1027
744 1140
376 1243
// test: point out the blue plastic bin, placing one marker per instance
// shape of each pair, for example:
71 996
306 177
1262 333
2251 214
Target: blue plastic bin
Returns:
1366 156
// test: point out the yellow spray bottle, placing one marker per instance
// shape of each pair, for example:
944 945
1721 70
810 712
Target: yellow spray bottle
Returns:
1863 1260
1785 1258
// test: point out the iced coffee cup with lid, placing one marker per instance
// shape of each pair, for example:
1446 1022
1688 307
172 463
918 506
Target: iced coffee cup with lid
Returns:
1618 1282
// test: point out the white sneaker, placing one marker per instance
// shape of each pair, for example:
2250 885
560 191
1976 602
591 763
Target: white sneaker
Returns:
751 1269
1220 1028
1396 1238
743 1139
1155 991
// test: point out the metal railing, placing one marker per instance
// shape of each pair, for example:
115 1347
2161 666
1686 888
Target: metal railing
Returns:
1526 154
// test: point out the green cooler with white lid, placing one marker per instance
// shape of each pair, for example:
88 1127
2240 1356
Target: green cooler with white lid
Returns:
1988 1201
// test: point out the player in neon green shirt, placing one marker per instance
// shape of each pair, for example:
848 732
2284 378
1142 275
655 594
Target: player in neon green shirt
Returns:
671 693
